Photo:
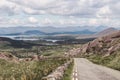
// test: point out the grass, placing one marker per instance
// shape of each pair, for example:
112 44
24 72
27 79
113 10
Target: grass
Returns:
56 50
33 70
112 61
68 72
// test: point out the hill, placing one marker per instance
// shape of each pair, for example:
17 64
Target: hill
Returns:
86 31
105 45
106 31
7 42
102 33
33 32
47 29
38 32
105 50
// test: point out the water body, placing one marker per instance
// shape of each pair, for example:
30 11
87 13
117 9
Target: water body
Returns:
30 38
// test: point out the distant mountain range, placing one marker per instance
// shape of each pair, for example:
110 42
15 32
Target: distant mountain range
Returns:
82 32
38 32
34 32
53 30
86 31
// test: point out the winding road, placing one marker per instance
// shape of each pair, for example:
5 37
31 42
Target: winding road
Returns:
86 70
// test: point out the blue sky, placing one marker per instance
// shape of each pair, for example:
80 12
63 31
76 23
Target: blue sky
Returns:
60 13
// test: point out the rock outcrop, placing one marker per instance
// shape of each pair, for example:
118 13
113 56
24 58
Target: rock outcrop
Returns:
105 46
8 57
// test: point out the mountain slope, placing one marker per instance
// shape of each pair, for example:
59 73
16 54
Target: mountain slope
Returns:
38 32
7 42
104 50
86 31
102 33
106 31
33 32
46 29
104 45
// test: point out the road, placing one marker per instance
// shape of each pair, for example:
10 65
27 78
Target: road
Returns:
86 70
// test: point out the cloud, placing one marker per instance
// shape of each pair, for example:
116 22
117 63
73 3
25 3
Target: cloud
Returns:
82 12
47 21
79 8
14 21
32 20
35 4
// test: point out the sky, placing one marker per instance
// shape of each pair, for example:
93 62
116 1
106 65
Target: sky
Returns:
59 13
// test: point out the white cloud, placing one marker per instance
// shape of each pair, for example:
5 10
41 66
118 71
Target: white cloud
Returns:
47 21
86 8
93 22
14 21
104 12
27 10
36 4
32 20
77 12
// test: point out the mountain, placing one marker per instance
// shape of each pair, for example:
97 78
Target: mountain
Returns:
105 45
12 34
34 32
46 29
86 31
7 43
38 32
82 32
104 50
106 31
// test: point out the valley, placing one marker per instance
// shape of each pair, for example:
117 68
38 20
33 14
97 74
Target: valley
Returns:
59 39
38 59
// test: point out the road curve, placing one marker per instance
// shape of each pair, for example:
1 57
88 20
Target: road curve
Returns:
86 70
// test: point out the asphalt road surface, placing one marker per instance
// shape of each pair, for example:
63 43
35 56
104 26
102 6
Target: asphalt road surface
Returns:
86 70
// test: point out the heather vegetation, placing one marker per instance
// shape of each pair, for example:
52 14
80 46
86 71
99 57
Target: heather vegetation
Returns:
11 68
34 70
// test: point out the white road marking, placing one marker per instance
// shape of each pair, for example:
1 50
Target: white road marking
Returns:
73 78
75 74
76 79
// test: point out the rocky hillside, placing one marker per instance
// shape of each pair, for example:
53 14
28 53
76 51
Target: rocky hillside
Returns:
104 51
8 57
106 45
